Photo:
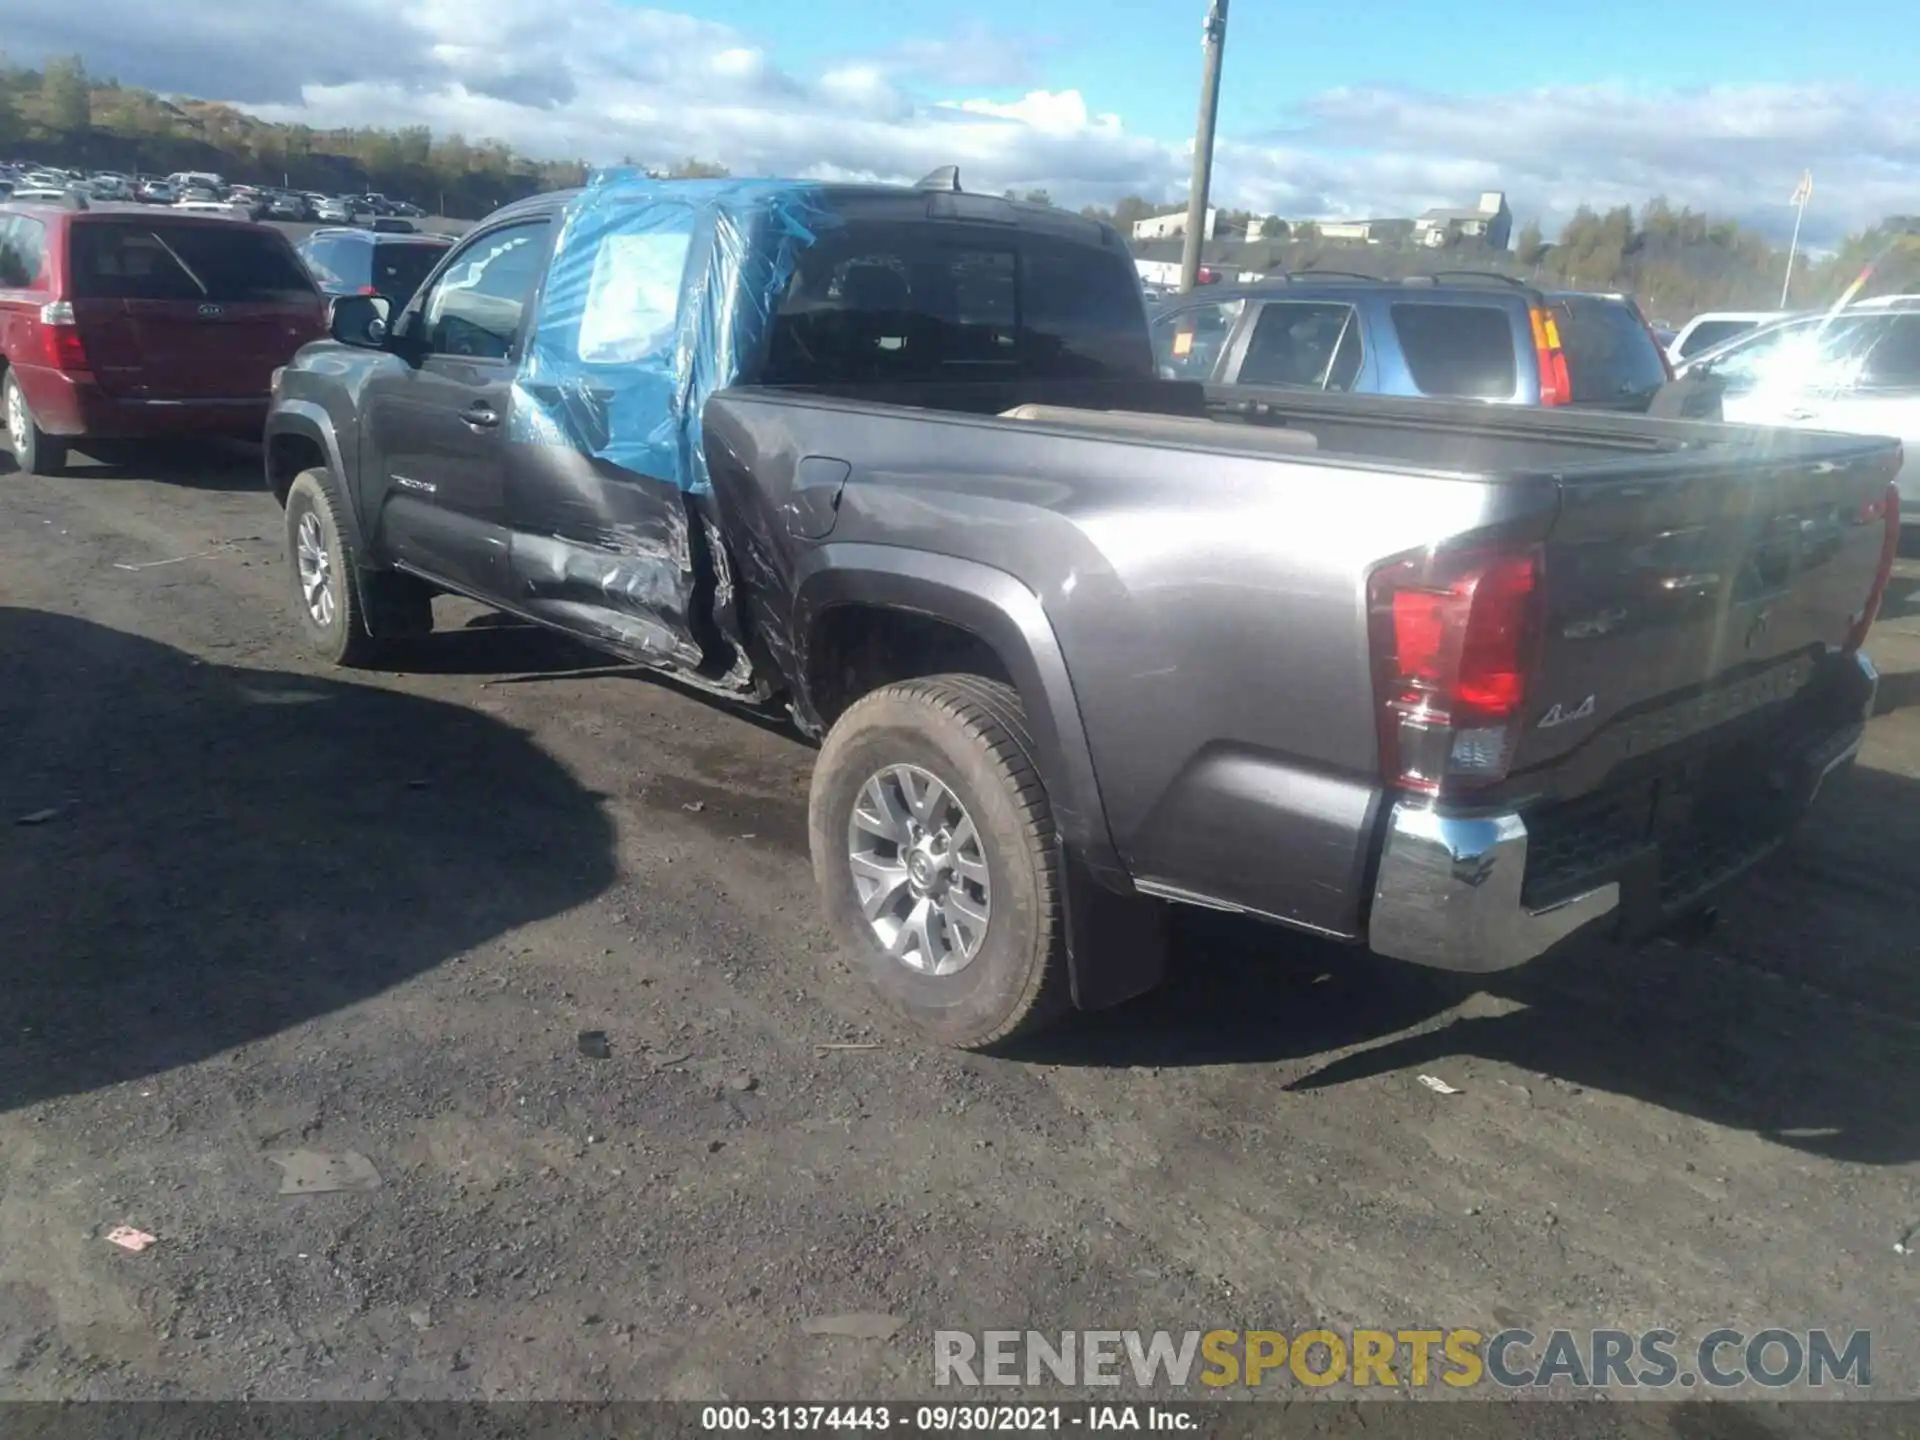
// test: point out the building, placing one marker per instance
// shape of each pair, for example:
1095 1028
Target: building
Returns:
1365 232
1490 223
1163 227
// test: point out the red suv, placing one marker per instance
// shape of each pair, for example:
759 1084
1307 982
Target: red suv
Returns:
126 325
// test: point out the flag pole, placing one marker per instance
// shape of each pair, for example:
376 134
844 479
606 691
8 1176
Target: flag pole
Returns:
1802 194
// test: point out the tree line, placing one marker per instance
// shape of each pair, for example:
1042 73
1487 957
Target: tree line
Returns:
1676 261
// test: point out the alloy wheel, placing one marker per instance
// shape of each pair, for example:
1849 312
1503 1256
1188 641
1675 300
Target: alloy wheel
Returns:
920 870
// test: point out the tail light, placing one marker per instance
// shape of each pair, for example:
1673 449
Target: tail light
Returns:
60 338
1887 510
1556 387
1455 636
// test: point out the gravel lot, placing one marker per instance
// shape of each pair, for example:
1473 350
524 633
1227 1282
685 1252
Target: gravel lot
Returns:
277 910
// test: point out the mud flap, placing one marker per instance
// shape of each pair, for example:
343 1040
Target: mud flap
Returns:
1116 944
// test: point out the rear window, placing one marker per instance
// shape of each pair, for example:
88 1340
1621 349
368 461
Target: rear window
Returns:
1316 346
876 302
1465 351
1893 362
335 262
1709 333
1610 352
230 264
399 270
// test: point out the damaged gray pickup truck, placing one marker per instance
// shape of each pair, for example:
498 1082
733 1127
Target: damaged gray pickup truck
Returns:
1449 681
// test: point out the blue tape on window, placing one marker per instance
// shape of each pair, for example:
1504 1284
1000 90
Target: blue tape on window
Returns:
659 292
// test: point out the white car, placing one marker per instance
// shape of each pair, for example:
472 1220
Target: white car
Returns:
1716 328
1855 370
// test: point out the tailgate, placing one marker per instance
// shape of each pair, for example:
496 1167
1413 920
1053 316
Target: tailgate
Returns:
176 309
1613 361
1700 590
177 350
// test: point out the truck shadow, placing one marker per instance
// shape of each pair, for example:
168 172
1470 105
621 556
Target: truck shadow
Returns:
1798 1019
195 857
500 648
232 465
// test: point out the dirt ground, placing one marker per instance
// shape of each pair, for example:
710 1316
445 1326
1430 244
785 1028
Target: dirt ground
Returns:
277 912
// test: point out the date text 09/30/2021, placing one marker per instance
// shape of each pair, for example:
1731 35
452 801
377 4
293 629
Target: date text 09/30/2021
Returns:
949 1419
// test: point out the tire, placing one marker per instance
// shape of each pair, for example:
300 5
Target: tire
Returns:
325 596
969 734
34 451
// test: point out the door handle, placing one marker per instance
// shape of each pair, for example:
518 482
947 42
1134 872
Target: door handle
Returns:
480 415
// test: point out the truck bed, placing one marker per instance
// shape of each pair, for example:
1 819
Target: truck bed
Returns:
1207 583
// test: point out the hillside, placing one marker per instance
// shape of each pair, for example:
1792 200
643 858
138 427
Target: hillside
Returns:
62 116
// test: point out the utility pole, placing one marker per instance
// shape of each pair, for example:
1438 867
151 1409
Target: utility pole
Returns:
1214 42
1802 193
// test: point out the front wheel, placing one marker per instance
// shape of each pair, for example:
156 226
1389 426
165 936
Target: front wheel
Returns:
933 845
34 451
321 564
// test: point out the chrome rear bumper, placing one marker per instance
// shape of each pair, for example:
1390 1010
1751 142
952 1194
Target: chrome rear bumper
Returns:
1448 893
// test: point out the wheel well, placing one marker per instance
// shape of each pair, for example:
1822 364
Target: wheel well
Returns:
287 456
855 649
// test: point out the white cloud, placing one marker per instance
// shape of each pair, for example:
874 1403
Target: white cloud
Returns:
600 79
1049 112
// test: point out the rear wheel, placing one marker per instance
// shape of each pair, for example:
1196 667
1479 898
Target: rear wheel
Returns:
34 451
933 845
321 564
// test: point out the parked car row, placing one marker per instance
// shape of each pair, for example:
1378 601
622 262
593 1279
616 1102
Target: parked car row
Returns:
204 191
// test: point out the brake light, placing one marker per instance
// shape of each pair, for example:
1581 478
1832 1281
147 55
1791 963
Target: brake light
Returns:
1887 509
1556 388
1455 637
60 338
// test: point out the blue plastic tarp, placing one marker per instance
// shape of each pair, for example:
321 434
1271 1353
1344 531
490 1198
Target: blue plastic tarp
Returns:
658 292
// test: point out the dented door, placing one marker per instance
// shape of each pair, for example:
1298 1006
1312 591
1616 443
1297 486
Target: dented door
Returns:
603 541
603 551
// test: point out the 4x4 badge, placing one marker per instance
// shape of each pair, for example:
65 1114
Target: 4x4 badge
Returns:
1557 716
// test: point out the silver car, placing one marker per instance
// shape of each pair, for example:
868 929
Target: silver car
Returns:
1856 371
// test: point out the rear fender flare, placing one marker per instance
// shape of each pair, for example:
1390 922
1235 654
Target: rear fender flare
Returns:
1008 618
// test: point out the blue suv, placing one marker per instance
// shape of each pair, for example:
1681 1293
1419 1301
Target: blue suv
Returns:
1455 335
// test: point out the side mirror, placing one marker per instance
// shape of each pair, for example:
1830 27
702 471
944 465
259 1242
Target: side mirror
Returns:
359 320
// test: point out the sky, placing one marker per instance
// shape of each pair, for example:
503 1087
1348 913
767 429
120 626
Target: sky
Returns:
1326 111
